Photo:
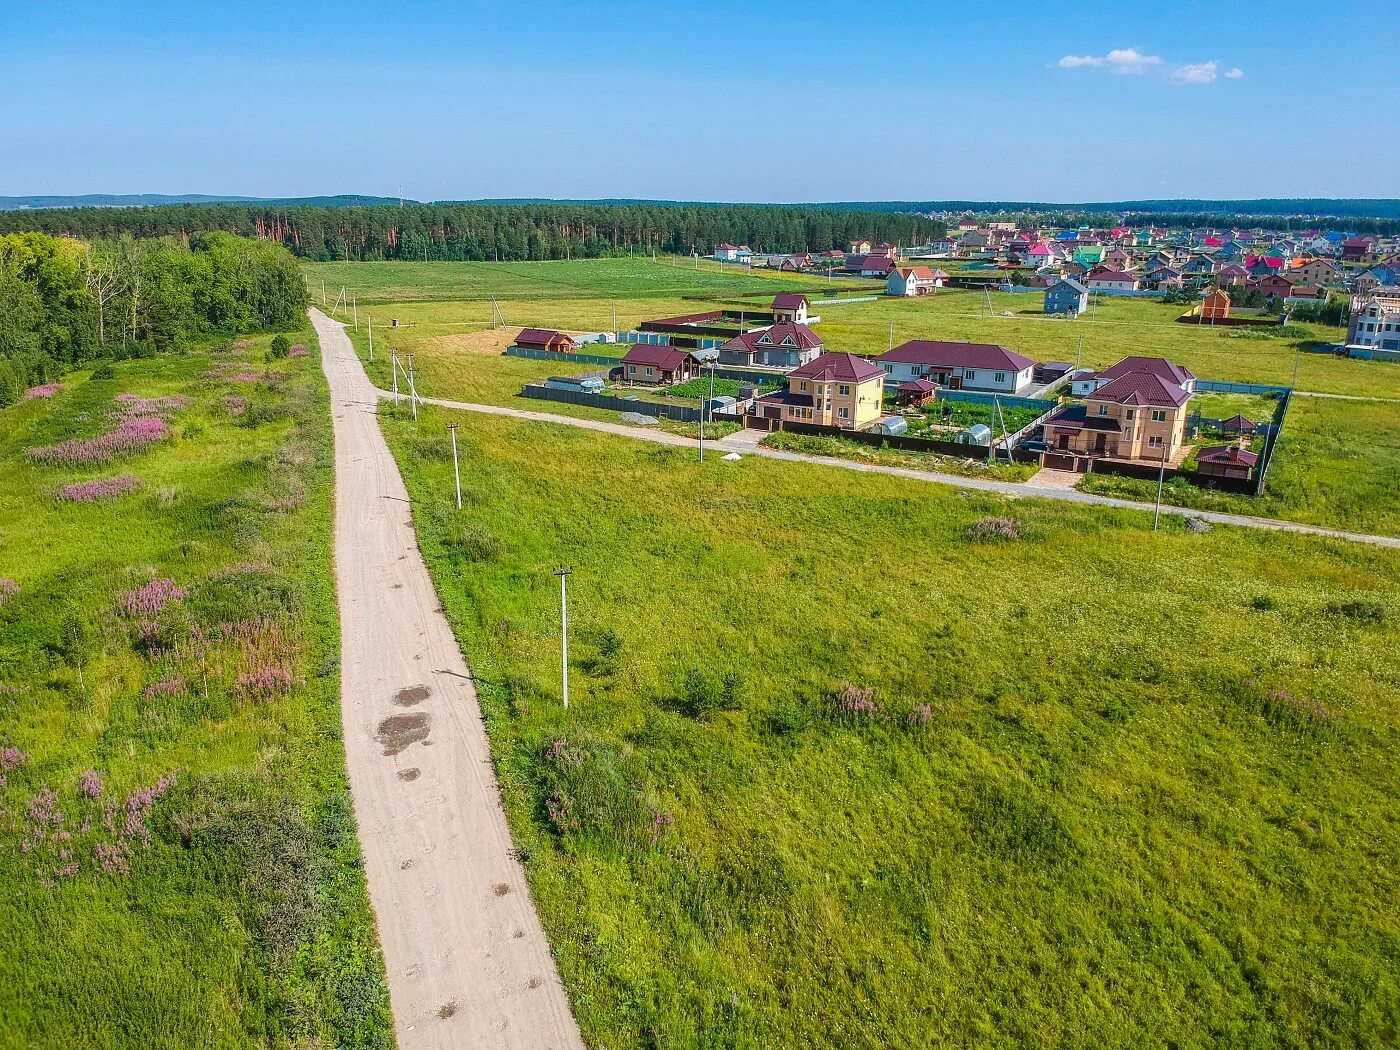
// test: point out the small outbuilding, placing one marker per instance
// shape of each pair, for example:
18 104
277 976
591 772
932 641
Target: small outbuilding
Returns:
916 392
894 426
1216 306
1239 425
545 339
977 434
1225 461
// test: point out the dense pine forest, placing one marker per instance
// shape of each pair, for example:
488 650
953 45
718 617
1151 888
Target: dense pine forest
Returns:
475 232
65 301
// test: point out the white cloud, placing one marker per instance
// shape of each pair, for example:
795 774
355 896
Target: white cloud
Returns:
1132 60
1194 73
1119 60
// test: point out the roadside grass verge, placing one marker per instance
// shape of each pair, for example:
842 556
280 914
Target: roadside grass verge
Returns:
973 465
177 844
858 762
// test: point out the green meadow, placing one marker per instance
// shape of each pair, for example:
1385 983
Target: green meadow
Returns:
177 845
854 761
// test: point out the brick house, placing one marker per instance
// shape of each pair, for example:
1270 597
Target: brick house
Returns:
1137 415
839 390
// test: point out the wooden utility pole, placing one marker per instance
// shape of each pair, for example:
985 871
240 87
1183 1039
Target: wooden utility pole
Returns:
563 575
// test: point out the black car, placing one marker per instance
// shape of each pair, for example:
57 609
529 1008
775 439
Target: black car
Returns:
1035 445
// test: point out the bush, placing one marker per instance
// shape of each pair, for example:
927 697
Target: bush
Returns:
1263 603
1359 609
994 528
279 347
470 542
590 788
609 646
104 371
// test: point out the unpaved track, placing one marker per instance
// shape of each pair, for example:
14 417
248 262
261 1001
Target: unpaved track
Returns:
468 962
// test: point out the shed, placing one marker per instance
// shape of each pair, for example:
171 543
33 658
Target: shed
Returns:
916 392
545 339
591 382
977 434
1052 371
1225 461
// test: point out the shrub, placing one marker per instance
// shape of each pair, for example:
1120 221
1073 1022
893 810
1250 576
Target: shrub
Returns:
1263 603
104 371
609 646
993 528
471 542
279 347
1360 609
589 788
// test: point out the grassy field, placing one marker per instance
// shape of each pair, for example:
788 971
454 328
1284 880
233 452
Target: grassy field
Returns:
846 767
401 282
177 846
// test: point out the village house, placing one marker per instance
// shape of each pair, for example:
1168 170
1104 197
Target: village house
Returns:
1275 286
858 248
545 339
1085 383
839 390
783 344
914 280
790 307
889 251
727 252
1358 249
1066 296
1375 321
652 364
874 266
1225 461
974 240
1106 280
1232 276
1164 278
1315 271
1136 415
959 366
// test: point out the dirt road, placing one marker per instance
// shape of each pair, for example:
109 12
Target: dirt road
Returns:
468 962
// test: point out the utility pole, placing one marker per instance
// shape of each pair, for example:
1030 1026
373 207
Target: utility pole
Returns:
456 471
355 307
891 346
563 575
1079 358
370 319
1161 478
394 364
323 291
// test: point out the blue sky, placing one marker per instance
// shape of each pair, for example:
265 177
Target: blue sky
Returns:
753 101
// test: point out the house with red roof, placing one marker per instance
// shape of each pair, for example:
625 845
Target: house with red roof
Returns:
545 339
914 280
783 344
959 366
1231 275
1139 412
652 364
873 266
1103 279
840 390
1358 249
790 307
1226 461
1275 285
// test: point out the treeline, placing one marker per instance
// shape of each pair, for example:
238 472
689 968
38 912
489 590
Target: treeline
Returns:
505 232
1283 223
65 301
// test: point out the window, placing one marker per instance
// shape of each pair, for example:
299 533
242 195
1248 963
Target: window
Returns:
844 390
631 370
1103 410
1159 415
844 413
1154 442
649 373
1131 413
998 377
969 375
802 386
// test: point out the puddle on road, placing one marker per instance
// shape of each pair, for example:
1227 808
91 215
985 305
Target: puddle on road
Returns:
408 774
399 731
414 694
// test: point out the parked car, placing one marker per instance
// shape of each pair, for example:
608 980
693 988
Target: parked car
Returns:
1035 445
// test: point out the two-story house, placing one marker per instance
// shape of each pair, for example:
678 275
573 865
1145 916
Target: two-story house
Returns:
781 345
1066 296
790 307
1131 413
840 390
959 366
914 280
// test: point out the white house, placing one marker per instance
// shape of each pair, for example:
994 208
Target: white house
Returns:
959 366
727 252
914 280
1104 280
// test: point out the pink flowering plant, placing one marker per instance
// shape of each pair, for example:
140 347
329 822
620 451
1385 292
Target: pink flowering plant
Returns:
149 599
132 435
99 489
8 589
131 406
42 392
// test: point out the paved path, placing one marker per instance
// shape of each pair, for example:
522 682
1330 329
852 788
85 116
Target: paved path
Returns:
468 962
741 444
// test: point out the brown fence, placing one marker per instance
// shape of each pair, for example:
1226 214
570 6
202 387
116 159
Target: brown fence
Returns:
893 441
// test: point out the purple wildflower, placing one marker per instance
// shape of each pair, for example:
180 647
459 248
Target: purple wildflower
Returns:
920 716
854 702
133 435
150 599
264 680
90 783
102 488
8 589
297 350
130 406
169 687
994 528
11 758
234 405
43 390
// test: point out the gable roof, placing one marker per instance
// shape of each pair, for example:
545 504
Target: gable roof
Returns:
956 355
1141 388
789 300
1227 454
654 355
1105 273
540 335
801 338
1237 424
923 273
838 367
1158 366
1071 283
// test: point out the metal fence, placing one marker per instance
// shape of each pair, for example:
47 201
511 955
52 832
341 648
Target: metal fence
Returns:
1215 386
681 413
552 355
